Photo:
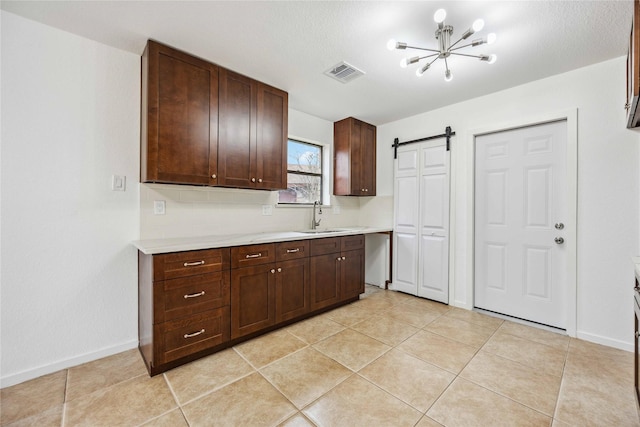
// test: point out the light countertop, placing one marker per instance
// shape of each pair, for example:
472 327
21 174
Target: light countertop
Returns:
179 244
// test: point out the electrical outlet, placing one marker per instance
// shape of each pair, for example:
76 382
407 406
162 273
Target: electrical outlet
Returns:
159 207
118 182
267 210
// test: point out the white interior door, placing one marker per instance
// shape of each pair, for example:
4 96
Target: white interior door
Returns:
406 226
421 229
521 210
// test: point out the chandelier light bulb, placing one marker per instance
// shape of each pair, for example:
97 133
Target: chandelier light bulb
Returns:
439 16
391 44
419 72
491 38
404 62
478 25
448 76
492 58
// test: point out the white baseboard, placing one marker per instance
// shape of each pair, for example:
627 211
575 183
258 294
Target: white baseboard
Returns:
30 374
610 342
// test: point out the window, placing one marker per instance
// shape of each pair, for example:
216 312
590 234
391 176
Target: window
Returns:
304 173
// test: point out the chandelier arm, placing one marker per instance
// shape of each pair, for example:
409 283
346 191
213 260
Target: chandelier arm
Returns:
465 54
446 64
422 48
456 42
460 47
434 60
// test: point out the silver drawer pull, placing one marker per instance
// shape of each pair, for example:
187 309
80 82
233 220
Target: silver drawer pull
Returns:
195 334
199 294
193 264
253 256
293 251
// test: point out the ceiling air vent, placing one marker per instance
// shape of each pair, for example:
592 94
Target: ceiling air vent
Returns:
344 72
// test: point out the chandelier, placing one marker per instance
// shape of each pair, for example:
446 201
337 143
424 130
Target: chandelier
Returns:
445 47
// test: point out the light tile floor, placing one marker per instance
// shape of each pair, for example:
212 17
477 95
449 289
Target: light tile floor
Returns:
387 360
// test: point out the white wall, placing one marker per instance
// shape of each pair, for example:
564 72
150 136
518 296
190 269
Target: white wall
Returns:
607 184
70 119
192 211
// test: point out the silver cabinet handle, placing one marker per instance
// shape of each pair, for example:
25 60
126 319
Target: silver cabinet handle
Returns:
559 240
193 264
253 180
559 226
273 271
253 256
293 251
339 259
279 270
259 179
195 334
196 295
344 257
214 176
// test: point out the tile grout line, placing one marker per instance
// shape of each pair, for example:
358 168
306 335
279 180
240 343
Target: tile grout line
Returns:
562 380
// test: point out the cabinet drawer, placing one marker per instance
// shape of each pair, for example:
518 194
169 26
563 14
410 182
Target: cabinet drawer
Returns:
292 250
183 264
245 256
327 245
350 243
188 335
189 295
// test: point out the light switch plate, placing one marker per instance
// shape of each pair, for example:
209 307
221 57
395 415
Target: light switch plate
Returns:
267 210
118 183
159 207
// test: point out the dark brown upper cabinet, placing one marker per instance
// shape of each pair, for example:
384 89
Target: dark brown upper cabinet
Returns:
354 158
179 138
205 125
633 70
253 134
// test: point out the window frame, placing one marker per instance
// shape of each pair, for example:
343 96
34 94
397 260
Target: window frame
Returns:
320 175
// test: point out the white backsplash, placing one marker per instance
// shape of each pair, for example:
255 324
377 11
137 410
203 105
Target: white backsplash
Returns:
194 211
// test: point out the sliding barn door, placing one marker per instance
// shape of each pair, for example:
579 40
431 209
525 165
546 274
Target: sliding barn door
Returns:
421 229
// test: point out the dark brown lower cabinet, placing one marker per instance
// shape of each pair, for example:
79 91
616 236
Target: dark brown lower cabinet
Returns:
195 303
292 289
325 280
351 274
252 299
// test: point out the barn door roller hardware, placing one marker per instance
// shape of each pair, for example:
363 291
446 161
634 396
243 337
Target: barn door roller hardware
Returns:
447 134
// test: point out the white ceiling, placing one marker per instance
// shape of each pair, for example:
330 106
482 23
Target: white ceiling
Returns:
289 44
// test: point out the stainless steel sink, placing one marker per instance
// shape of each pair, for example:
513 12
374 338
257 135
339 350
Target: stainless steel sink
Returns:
319 231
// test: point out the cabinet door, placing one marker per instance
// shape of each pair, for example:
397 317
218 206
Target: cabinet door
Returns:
355 159
351 274
252 299
292 289
271 154
368 160
325 280
237 137
179 117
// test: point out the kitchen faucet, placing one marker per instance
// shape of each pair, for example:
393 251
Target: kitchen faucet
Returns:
315 223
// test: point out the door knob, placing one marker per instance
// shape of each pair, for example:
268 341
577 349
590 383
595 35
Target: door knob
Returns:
559 226
559 240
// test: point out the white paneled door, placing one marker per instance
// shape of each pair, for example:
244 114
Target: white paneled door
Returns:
520 215
421 229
